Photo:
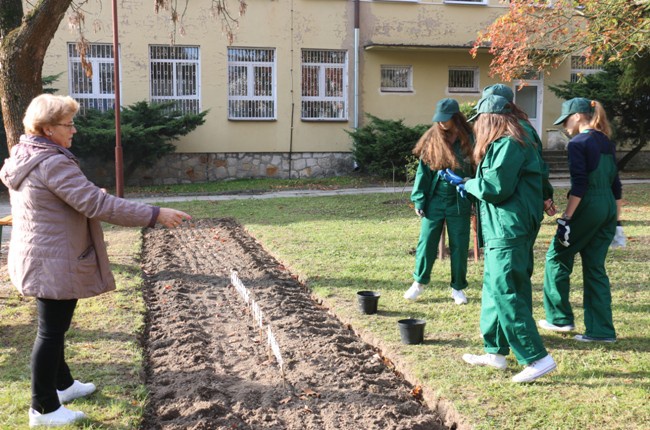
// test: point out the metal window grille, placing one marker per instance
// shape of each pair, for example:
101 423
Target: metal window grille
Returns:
96 91
175 76
396 78
463 80
324 85
251 83
579 68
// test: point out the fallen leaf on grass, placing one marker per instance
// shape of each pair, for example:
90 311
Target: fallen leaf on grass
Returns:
285 400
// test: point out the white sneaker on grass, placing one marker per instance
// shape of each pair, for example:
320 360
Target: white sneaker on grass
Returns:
459 296
60 417
585 338
535 369
560 328
497 361
415 291
76 390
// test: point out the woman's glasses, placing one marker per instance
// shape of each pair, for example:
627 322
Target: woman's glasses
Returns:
69 125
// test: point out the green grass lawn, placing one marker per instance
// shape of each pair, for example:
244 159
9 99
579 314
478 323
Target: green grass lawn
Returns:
340 245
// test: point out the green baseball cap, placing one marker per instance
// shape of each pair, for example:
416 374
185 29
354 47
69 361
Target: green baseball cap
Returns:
491 104
500 90
445 109
575 105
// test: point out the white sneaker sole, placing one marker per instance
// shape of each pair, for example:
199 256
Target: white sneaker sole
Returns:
533 376
543 324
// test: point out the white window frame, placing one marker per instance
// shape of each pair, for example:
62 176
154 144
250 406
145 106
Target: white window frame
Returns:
185 101
323 99
251 66
578 67
408 70
93 98
464 90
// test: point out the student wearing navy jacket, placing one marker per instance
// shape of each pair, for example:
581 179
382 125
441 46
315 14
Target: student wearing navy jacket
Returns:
587 226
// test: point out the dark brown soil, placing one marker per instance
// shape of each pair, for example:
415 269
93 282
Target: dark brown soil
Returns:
209 366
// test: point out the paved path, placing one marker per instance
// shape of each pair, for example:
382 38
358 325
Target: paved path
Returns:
5 208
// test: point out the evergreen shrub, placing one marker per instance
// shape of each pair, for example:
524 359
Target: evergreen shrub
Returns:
383 146
147 133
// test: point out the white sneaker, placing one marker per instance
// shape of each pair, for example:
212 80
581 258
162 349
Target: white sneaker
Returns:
459 297
60 417
585 338
497 361
561 328
415 291
76 390
536 369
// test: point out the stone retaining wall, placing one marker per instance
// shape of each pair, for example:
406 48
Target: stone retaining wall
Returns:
183 168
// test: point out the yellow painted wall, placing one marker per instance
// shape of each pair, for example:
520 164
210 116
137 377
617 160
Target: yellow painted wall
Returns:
289 26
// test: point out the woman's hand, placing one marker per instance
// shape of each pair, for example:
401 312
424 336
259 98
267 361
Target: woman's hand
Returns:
171 218
549 207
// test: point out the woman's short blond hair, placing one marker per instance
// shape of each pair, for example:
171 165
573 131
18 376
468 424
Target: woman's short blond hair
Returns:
48 109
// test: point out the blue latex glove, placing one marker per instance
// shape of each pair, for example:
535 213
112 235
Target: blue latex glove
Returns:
449 176
563 231
461 190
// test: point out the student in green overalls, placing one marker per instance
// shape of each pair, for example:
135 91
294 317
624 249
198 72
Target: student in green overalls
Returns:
447 144
531 137
587 226
508 186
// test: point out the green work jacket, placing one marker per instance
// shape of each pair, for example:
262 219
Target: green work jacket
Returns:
547 188
508 185
426 179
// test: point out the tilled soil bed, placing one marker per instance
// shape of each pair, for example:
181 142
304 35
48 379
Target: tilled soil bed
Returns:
209 366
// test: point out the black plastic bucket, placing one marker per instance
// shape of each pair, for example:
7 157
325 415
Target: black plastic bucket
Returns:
411 331
368 301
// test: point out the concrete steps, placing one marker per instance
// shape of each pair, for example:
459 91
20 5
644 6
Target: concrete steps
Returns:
557 163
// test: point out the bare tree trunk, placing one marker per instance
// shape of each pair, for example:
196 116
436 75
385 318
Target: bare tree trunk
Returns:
24 39
642 142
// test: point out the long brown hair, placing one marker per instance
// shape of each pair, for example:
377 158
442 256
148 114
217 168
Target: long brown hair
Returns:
436 149
599 120
492 126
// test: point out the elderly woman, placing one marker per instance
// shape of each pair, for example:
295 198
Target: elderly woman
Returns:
57 252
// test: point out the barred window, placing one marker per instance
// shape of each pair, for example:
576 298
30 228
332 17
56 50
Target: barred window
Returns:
93 88
396 78
175 76
251 84
463 80
324 85
579 68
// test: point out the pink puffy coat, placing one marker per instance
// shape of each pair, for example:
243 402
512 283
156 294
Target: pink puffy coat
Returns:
57 248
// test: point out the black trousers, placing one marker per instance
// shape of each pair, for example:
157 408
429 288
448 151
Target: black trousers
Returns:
49 369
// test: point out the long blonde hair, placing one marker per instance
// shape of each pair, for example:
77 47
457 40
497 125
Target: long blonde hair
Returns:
435 147
492 126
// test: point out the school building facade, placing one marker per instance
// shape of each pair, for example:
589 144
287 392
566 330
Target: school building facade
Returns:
298 74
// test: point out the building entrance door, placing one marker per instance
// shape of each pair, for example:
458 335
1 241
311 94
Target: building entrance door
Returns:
529 99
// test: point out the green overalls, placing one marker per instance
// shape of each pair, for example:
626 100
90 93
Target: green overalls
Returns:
441 203
532 138
508 184
593 225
